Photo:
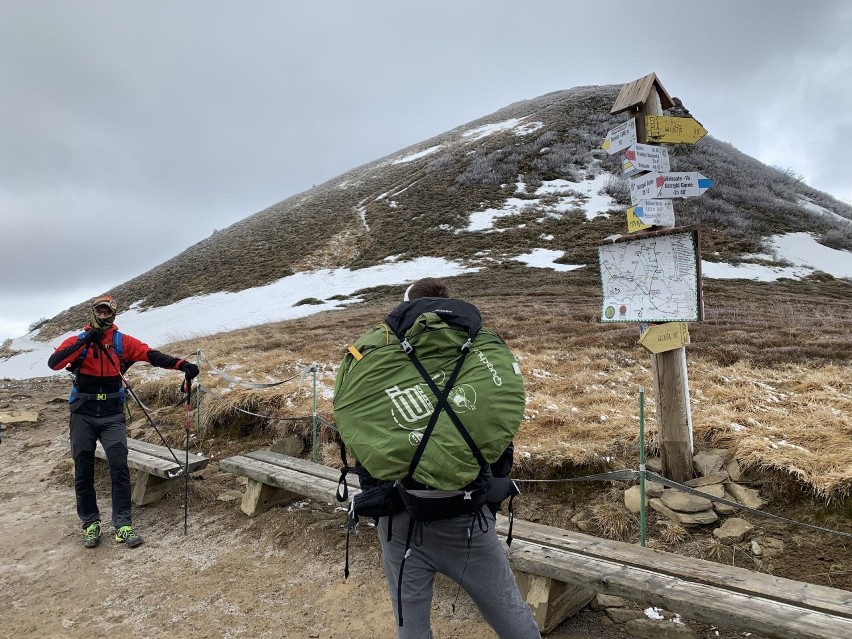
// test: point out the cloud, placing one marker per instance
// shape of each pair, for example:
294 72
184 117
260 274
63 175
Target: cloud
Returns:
170 120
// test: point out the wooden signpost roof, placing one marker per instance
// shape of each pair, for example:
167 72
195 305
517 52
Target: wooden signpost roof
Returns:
635 94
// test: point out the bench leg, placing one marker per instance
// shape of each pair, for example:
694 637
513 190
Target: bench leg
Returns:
260 497
149 488
551 601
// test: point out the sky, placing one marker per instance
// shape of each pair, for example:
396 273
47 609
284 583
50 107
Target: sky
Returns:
130 131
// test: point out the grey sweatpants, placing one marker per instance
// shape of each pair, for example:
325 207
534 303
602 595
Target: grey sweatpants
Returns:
481 569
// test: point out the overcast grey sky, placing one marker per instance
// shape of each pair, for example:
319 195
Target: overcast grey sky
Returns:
129 131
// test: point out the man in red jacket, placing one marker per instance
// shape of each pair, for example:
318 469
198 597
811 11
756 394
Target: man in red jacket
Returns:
97 413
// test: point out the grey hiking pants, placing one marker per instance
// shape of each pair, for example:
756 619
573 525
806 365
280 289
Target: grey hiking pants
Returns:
86 430
482 570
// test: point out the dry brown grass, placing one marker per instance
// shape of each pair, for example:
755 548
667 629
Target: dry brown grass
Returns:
789 419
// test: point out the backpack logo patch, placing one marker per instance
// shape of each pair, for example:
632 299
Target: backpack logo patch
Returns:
411 407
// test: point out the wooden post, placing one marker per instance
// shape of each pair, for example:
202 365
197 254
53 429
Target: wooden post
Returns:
669 371
643 97
671 391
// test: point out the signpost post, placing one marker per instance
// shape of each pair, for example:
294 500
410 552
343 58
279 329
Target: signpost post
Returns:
652 188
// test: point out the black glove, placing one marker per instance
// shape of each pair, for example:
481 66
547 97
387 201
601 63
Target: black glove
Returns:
93 336
190 370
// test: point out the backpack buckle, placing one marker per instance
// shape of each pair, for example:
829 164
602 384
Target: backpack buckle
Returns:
406 346
100 397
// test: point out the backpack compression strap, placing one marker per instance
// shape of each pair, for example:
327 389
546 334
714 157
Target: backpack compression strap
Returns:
453 311
442 405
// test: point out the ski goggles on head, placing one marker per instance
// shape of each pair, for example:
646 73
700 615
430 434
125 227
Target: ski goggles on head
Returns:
107 304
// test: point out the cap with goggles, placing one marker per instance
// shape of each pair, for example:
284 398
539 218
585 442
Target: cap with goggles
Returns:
103 311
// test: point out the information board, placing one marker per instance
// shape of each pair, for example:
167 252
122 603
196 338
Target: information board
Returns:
653 278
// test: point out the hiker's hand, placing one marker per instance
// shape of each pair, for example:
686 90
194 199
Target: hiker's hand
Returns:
190 370
93 336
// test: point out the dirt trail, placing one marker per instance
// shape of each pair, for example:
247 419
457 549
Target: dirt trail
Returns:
279 575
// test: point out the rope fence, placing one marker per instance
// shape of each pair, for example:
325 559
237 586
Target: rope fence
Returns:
616 475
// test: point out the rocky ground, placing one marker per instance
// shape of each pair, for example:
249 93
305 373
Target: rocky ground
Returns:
278 575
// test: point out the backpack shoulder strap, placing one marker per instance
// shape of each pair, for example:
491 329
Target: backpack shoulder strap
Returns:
118 344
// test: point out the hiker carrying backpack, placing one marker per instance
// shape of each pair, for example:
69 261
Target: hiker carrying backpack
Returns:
428 403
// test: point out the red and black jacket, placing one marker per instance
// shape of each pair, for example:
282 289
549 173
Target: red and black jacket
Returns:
98 385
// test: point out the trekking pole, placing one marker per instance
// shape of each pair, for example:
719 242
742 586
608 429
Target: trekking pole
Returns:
142 406
186 387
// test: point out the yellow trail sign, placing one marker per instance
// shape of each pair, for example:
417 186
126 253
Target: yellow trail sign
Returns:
663 129
660 338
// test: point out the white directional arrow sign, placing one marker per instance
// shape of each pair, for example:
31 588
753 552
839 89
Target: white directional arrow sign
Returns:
620 137
650 213
644 157
655 185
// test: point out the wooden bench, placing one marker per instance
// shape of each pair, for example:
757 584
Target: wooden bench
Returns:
155 470
559 571
727 596
274 478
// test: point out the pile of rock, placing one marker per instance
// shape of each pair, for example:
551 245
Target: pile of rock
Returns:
717 476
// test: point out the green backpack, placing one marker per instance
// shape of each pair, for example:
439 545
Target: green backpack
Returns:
429 395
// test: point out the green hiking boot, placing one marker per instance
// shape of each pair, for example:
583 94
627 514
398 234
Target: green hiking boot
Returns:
92 535
127 536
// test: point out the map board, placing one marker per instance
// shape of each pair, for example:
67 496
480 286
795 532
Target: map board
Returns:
653 278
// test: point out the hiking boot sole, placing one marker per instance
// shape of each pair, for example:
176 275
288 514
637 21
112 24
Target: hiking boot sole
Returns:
91 544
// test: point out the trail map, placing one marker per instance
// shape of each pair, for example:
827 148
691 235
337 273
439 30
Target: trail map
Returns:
651 279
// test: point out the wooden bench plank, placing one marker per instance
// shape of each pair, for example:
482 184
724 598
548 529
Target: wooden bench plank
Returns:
291 482
717 605
155 471
196 462
302 465
815 597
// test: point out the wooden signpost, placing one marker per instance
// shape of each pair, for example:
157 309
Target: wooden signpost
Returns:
653 186
667 130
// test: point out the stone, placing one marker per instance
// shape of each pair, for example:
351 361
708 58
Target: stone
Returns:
610 601
733 469
708 480
684 519
725 509
653 489
714 490
654 464
292 446
725 453
652 629
19 417
756 550
733 530
746 496
707 463
633 499
771 546
229 495
684 502
620 615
